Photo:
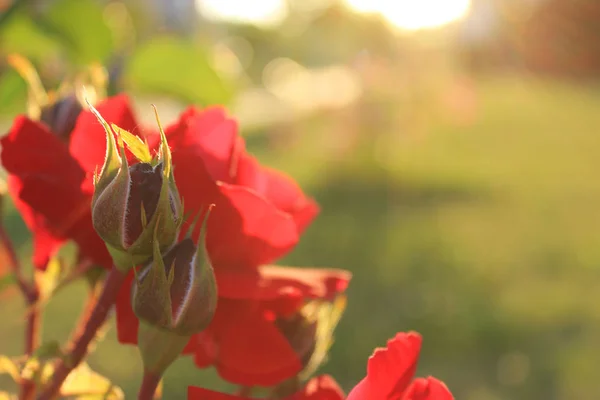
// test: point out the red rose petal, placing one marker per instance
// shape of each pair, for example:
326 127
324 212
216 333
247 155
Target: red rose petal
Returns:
253 352
245 230
390 370
196 393
322 387
427 389
209 136
270 282
279 189
44 243
46 184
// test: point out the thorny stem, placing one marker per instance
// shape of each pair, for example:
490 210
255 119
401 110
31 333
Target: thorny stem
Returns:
148 386
31 294
85 334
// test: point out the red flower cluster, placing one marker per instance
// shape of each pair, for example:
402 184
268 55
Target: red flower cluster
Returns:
258 217
390 373
259 335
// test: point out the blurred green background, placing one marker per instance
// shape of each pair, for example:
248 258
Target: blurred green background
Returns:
453 146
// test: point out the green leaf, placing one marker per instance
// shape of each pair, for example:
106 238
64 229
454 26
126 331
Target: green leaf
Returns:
13 93
177 68
7 281
20 34
134 143
80 27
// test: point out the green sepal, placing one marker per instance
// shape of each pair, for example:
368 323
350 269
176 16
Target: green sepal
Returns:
109 205
165 151
112 161
197 313
159 348
123 260
152 292
163 221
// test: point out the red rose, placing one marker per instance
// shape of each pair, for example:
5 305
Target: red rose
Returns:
323 387
50 178
258 217
390 373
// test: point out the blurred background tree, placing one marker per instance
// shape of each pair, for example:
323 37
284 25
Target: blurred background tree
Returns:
452 145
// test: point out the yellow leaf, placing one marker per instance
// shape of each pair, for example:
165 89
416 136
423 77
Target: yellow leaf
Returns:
9 367
85 384
8 396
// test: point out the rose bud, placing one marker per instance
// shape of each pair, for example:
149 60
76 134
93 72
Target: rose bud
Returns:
131 203
59 109
62 115
175 297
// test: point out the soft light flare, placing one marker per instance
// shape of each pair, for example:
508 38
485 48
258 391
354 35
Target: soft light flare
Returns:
414 14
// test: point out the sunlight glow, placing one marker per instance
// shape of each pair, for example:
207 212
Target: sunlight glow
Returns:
414 14
259 12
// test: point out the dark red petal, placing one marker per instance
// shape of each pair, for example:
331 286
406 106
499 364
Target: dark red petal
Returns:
322 387
127 322
390 370
245 230
88 140
278 188
47 180
253 352
196 393
427 389
228 312
269 282
44 243
209 137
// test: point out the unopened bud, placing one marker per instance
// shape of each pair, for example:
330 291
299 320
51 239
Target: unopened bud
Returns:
135 207
177 292
174 297
62 115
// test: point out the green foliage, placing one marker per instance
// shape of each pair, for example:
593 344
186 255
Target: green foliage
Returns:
13 93
7 281
182 69
79 26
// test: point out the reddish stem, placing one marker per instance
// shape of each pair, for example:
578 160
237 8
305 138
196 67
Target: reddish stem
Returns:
85 334
32 340
31 293
149 385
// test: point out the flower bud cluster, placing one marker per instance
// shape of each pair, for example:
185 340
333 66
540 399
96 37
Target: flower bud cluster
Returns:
137 211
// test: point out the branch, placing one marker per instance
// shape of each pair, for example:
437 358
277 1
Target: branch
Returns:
85 334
